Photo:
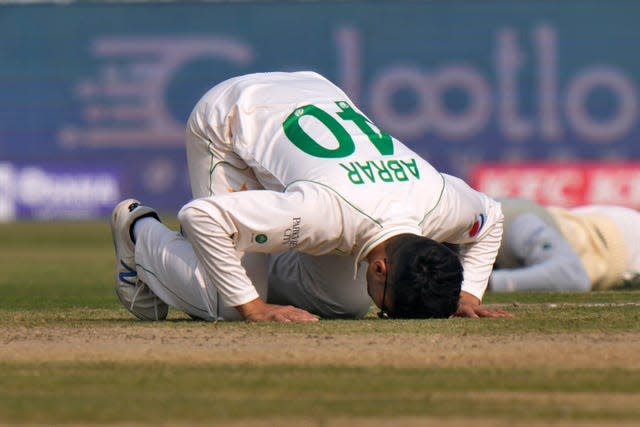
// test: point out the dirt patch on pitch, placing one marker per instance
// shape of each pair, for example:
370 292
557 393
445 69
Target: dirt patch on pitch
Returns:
187 344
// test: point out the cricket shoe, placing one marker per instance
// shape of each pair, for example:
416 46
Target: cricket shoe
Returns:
133 293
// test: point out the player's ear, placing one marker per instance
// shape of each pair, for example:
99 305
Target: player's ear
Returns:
380 267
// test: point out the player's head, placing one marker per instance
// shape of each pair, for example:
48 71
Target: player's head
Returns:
422 280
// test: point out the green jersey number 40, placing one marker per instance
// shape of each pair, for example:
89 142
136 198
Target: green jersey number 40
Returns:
346 146
357 172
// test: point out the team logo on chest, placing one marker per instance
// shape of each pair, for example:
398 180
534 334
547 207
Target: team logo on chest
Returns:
477 225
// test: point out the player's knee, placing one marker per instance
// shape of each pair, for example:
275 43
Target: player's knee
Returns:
185 213
191 213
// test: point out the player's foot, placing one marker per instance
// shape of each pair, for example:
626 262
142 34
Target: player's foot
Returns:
132 292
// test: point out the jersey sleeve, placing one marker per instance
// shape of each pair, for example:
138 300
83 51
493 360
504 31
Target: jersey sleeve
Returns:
222 228
548 261
474 222
477 260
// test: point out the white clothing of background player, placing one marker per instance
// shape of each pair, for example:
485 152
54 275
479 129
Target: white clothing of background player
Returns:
547 248
291 182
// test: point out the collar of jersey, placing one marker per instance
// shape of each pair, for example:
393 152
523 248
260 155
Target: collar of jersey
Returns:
379 237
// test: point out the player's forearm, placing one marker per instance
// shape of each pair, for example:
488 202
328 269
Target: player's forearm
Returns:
211 238
558 274
251 309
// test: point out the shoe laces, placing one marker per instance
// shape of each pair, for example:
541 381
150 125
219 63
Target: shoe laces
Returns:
140 286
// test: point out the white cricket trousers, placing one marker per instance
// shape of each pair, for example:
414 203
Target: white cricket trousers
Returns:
166 262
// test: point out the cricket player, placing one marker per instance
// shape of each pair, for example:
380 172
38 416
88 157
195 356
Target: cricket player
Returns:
303 208
554 249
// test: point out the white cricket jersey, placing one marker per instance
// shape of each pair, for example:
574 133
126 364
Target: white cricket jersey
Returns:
339 184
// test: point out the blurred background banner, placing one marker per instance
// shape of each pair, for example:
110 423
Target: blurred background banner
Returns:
94 96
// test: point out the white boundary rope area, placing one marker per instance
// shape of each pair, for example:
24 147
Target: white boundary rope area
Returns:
564 305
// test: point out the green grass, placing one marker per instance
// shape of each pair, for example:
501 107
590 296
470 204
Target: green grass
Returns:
109 393
57 267
61 276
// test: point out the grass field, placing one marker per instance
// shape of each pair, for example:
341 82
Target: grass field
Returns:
71 355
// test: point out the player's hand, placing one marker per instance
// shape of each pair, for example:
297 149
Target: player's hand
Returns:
469 310
259 311
469 306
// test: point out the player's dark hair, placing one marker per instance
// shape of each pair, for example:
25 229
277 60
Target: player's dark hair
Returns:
424 277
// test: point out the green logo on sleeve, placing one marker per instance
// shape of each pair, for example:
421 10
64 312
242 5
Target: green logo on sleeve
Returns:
261 238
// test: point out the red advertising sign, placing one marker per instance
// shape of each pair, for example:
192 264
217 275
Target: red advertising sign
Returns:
562 184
